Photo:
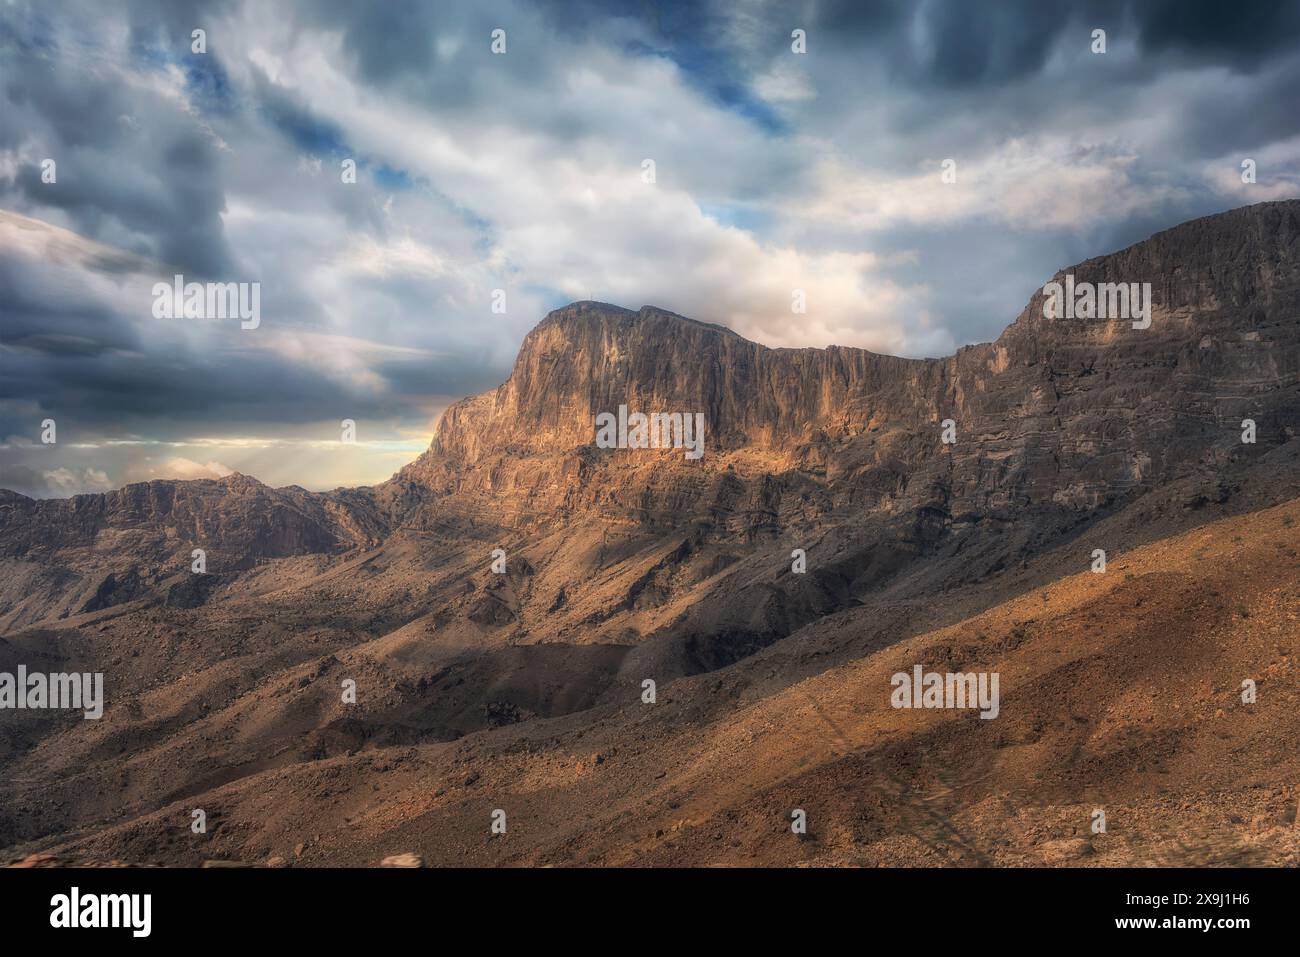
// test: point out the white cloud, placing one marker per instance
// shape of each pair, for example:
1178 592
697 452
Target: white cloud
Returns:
785 82
176 467
63 482
572 213
1277 173
1038 184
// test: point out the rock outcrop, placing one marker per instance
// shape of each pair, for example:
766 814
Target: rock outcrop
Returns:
1068 412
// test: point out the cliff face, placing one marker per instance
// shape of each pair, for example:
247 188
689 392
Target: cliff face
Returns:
63 556
529 446
1066 412
236 517
1131 408
591 357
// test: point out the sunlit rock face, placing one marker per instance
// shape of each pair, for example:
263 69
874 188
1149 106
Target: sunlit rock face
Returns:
1074 412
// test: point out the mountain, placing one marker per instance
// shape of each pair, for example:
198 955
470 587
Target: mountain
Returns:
1033 408
478 689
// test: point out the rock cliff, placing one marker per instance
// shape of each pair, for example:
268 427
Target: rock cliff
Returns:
1071 412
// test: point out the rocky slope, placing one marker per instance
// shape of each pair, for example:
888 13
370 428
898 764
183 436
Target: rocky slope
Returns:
61 556
1121 693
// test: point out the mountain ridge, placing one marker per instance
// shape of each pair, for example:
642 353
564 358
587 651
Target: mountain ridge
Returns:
793 436
584 359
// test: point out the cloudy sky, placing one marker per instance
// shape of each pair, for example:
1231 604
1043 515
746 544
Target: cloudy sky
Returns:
524 171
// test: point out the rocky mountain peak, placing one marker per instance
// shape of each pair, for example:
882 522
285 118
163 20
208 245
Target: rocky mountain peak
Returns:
1031 409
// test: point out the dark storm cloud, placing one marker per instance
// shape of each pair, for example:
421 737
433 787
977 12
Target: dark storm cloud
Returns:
955 43
985 44
179 224
103 391
159 181
1246 116
38 315
93 359
1244 35
992 59
128 391
949 59
952 43
385 39
466 373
